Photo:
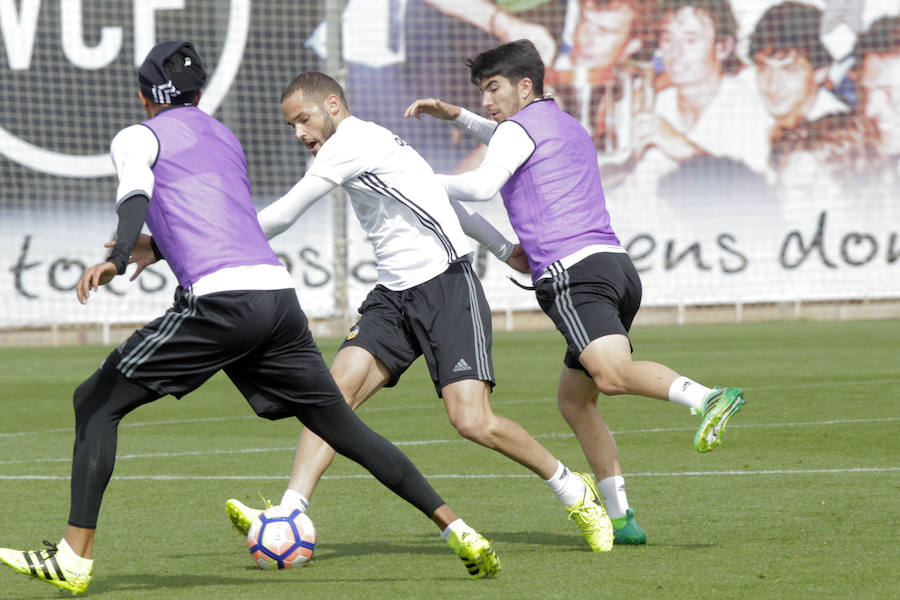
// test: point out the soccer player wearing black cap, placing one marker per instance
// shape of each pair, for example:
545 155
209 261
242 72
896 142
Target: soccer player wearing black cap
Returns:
184 174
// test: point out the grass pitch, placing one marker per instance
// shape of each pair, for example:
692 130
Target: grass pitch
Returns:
799 501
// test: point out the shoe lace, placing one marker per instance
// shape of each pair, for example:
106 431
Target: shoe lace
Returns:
586 517
266 502
52 548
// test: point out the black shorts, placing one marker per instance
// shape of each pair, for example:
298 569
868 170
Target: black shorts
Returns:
597 296
447 319
261 339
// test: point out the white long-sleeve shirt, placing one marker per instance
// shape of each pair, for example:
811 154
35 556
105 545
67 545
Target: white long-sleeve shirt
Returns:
413 227
509 146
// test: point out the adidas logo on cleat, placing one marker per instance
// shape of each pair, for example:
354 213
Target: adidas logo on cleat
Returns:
461 366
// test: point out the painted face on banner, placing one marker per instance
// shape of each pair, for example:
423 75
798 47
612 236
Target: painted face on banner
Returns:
309 119
688 47
787 83
602 34
880 82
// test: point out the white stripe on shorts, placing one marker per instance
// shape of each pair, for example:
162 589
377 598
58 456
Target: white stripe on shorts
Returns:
563 301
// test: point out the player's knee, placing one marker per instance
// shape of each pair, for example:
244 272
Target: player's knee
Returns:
472 427
569 402
610 383
81 398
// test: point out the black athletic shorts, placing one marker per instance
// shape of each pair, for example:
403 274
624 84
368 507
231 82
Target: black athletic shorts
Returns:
445 318
597 296
260 338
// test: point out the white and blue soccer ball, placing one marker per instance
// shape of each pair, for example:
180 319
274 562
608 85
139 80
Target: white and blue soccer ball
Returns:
281 538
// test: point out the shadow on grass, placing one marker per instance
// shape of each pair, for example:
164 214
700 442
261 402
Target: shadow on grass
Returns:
165 585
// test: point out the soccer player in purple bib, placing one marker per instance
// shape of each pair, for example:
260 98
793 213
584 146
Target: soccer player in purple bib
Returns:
544 165
428 301
184 174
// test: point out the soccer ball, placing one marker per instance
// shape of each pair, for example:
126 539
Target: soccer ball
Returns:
281 538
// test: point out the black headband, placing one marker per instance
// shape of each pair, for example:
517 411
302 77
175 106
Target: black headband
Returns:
163 87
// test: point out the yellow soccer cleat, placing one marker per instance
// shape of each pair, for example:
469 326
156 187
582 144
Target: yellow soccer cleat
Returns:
591 517
718 408
241 515
65 570
476 553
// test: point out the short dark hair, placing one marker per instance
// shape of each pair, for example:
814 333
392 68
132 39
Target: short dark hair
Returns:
882 37
316 85
514 60
791 26
722 17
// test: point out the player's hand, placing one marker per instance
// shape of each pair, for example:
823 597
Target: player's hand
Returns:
142 254
434 107
518 260
93 278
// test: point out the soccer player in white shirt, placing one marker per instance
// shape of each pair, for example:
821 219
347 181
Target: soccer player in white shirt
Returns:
428 300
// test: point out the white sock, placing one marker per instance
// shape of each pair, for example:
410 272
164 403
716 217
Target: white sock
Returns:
78 563
294 499
688 393
568 488
459 526
613 490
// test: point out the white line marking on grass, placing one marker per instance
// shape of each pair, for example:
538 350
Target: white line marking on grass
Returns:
138 424
451 441
548 435
792 386
456 475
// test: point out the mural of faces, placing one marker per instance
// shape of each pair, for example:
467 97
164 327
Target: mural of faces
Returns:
787 83
689 49
880 83
603 34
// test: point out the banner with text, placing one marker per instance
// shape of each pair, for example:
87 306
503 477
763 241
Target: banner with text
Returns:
749 148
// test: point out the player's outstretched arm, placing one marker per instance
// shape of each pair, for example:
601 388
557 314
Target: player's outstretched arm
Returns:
478 127
132 211
479 229
281 214
93 278
432 106
143 254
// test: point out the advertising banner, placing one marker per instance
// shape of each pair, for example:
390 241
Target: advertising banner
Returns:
749 148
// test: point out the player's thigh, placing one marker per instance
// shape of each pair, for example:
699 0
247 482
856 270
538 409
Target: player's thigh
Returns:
383 332
576 387
595 297
450 317
358 374
467 401
286 369
606 355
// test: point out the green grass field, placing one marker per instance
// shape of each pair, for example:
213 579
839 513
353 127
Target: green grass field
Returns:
800 501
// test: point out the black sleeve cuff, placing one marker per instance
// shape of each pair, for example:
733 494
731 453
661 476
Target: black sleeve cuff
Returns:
132 212
157 253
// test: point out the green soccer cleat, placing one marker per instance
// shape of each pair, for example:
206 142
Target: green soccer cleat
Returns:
51 565
629 533
718 407
241 515
476 553
592 518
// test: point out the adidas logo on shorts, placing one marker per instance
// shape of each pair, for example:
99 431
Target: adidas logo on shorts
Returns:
461 366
